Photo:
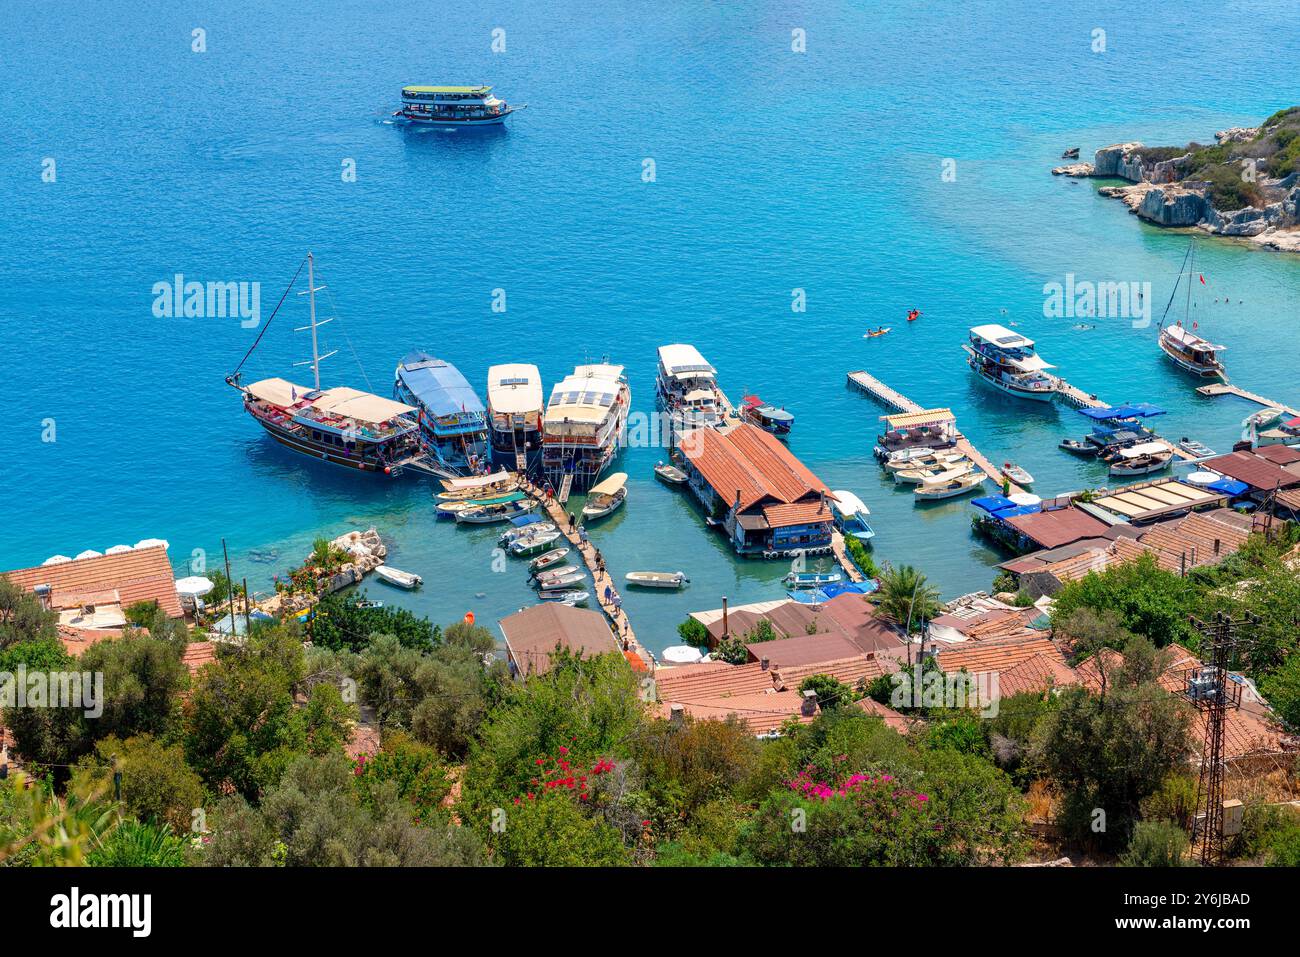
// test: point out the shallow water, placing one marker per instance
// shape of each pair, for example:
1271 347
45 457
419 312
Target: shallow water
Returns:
774 171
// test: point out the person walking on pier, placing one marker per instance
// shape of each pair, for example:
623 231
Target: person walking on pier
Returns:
572 522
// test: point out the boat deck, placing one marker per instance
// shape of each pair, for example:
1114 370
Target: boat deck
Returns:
619 620
895 399
1225 388
1073 395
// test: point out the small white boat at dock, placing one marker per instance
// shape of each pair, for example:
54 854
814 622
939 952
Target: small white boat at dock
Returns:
1017 474
1141 459
810 579
395 576
568 596
922 458
551 558
502 512
551 574
961 485
670 474
561 582
532 544
939 473
657 579
606 496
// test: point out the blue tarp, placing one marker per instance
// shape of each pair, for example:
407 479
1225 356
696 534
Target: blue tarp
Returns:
993 503
816 596
438 385
1131 410
1018 510
519 521
1228 486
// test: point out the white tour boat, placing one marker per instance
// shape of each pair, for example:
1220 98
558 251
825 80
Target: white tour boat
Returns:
1006 361
453 106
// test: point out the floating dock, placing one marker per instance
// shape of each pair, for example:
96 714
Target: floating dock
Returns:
865 382
1073 395
1224 388
841 553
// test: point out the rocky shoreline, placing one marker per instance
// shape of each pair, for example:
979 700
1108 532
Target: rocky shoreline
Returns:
1185 187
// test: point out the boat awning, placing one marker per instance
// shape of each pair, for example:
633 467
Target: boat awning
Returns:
1001 336
610 486
519 521
775 415
848 504
1191 340
1130 410
681 360
362 406
912 420
699 395
514 389
1032 364
1144 448
475 481
993 503
277 391
438 385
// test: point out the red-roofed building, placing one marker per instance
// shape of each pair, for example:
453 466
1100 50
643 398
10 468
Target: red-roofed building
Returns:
1259 473
94 592
1057 527
771 501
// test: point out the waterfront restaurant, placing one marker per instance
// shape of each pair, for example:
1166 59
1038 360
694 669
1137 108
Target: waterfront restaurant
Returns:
928 428
768 502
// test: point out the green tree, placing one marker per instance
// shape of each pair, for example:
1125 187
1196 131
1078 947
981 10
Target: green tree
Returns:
693 633
339 622
1282 689
1156 844
22 617
831 692
1148 600
552 831
157 785
905 596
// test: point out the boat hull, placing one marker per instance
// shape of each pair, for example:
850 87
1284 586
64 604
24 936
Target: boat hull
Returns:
1201 369
999 385
417 120
305 447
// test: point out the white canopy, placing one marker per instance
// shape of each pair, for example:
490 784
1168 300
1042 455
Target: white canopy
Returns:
610 486
361 406
279 392
1032 363
88 553
476 481
1144 448
681 654
514 389
1001 336
195 586
151 543
118 549
56 560
681 359
1025 498
848 504
1203 478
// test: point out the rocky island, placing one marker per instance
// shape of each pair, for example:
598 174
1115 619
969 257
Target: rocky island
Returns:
1247 185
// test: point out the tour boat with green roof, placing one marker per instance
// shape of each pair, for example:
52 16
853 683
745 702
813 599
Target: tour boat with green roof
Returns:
453 106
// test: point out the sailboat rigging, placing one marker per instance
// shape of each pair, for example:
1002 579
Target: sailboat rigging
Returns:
1180 343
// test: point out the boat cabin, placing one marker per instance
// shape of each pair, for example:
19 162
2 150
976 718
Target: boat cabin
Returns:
451 416
929 428
583 424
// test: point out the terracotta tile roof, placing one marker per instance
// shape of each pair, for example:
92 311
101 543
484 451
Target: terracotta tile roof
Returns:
849 671
749 461
1279 454
872 634
713 679
1039 673
1090 675
892 718
142 574
197 654
763 712
1256 472
1057 527
1000 655
1290 498
803 650
1072 569
532 634
77 640
800 513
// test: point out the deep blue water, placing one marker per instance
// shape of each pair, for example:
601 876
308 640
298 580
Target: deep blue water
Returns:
775 171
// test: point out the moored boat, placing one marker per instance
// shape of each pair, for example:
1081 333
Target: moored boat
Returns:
452 106
939 473
560 582
1271 427
395 576
514 394
851 515
451 416
549 560
1017 474
657 579
532 544
961 485
924 459
565 596
1005 360
606 496
1079 447
670 474
584 426
548 575
1141 459
487 514
1190 352
522 526
810 579
686 387
767 417
1195 449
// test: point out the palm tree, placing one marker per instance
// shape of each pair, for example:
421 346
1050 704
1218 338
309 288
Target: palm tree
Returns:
907 598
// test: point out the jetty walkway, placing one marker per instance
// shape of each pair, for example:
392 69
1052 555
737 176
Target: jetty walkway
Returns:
873 387
1225 388
600 576
841 552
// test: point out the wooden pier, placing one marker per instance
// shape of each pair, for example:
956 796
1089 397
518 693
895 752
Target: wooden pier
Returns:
882 393
1073 395
873 387
841 553
1225 388
600 580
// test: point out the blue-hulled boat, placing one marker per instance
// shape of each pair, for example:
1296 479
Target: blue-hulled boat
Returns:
452 418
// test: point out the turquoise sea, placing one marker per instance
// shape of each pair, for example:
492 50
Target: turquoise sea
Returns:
775 171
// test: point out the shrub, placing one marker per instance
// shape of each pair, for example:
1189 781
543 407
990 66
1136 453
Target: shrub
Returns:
1156 844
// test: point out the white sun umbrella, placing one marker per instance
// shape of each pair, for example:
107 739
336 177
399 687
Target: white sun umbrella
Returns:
196 586
89 553
117 549
1203 478
1025 498
56 560
681 654
151 543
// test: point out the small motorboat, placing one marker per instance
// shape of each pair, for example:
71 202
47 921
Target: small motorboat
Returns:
961 485
922 458
657 579
482 493
1079 447
876 332
486 514
549 560
670 474
605 497
532 544
523 526
450 509
940 473
1141 459
1071 154
810 579
367 603
903 458
769 418
1018 475
395 576
1194 448
561 582
566 596
550 574
851 515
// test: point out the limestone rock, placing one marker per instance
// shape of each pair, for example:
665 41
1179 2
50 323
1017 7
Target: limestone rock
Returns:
1081 170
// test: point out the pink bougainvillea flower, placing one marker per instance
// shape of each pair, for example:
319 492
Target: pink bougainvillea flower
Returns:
563 749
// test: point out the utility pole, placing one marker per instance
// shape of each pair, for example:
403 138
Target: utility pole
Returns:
1222 639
